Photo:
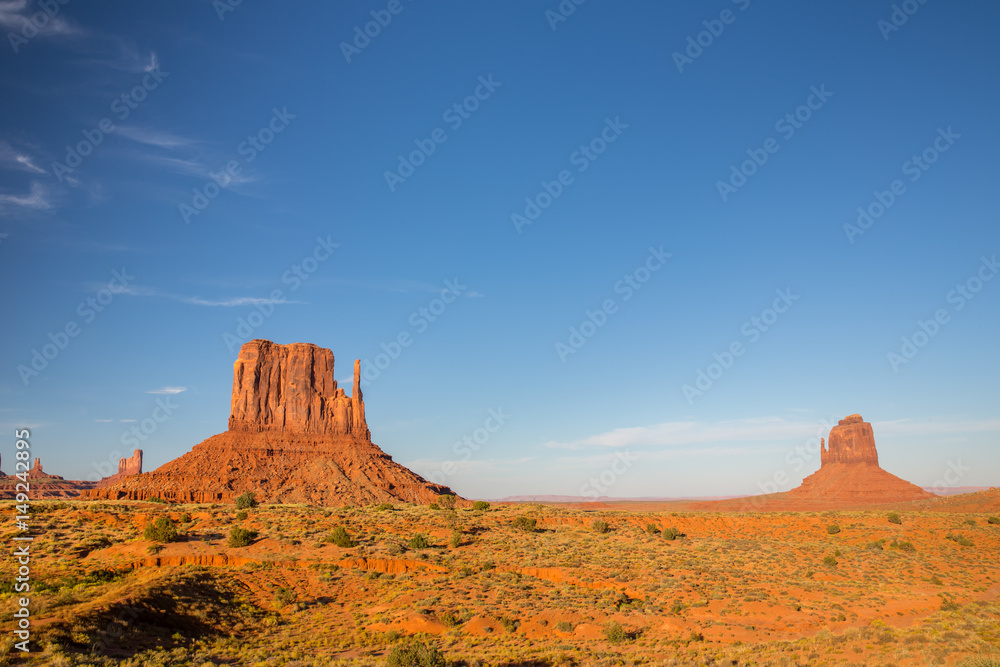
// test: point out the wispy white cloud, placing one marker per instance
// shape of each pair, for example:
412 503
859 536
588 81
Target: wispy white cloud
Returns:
680 433
935 426
11 158
152 137
168 390
199 301
104 421
15 13
127 421
37 199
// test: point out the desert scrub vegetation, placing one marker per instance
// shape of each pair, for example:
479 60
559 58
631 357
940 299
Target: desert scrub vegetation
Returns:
600 526
241 537
414 653
894 518
672 533
340 537
959 539
161 529
524 523
246 501
833 529
480 505
419 541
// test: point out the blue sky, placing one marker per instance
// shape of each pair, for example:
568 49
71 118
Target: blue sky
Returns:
189 165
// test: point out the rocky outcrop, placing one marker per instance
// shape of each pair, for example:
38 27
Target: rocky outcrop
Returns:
849 471
42 485
126 466
294 436
292 388
36 471
851 441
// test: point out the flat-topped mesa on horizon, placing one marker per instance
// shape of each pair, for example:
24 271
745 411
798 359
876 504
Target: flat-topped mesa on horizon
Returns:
851 441
293 388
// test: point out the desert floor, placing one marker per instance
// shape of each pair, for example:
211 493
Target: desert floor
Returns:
777 588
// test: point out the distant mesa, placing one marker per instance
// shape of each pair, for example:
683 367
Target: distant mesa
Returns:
294 436
41 484
126 466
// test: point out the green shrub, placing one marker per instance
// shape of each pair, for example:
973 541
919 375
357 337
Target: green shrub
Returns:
600 526
874 546
339 537
419 541
833 529
959 539
241 515
993 520
241 537
509 624
480 505
830 560
160 529
434 506
894 518
414 653
970 522
564 626
652 529
384 507
615 633
185 518
246 501
447 501
456 539
696 636
902 546
671 533
524 523
157 499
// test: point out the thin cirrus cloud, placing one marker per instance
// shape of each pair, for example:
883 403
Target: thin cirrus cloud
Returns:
679 434
168 390
37 199
14 14
11 158
199 301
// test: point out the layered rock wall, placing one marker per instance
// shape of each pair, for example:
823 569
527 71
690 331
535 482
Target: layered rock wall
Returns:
293 388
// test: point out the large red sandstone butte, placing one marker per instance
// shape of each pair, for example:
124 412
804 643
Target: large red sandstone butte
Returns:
294 436
849 476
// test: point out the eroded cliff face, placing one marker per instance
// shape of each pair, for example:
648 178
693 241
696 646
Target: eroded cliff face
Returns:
294 436
293 388
851 441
